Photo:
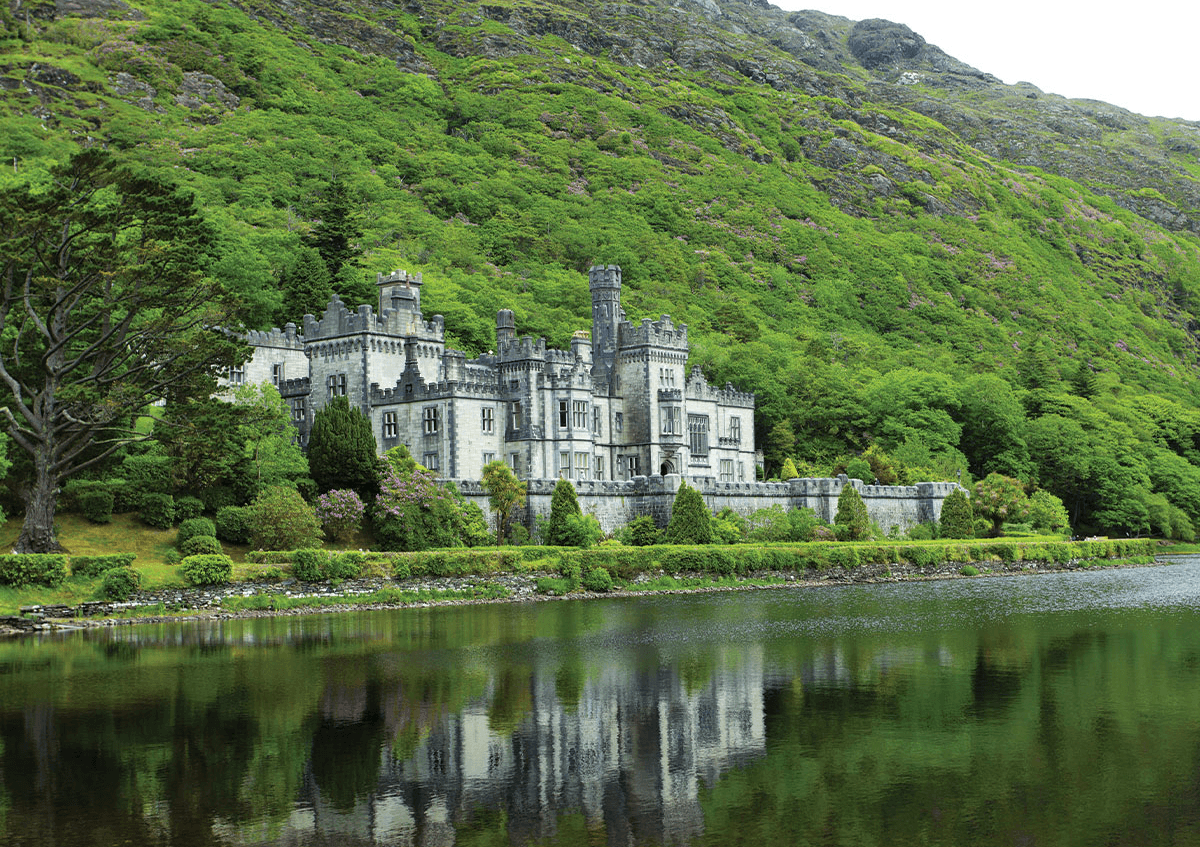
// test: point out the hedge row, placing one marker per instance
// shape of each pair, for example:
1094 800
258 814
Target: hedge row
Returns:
97 565
21 569
626 562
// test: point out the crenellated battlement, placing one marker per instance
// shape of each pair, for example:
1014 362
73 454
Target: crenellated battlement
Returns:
660 333
285 338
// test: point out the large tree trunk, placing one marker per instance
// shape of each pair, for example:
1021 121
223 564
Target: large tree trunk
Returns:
37 533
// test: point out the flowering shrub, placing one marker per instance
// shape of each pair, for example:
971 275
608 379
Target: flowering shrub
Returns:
279 519
413 512
340 512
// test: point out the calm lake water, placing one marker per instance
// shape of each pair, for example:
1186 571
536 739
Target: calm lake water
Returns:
1050 710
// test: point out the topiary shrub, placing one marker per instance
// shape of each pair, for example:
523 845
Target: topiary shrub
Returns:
200 544
21 569
564 505
96 504
309 565
158 511
691 521
120 583
187 508
207 569
92 566
958 518
598 580
192 528
232 525
851 522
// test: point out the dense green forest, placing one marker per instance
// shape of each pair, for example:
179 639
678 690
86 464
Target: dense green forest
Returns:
878 281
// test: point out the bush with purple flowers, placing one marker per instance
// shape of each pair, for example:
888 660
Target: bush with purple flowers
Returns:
340 512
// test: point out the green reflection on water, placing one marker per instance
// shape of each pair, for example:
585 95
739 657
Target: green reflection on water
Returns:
1042 711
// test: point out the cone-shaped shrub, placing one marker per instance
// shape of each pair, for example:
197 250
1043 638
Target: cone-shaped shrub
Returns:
691 521
851 522
958 519
563 504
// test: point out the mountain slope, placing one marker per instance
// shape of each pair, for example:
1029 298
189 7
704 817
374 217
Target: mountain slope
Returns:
840 212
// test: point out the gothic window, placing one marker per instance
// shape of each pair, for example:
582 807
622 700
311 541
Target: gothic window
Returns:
487 419
727 470
237 374
430 421
579 414
562 414
581 465
564 464
514 415
599 467
735 430
277 373
298 410
698 434
488 458
670 420
596 421
430 460
741 471
514 462
619 422
336 385
390 427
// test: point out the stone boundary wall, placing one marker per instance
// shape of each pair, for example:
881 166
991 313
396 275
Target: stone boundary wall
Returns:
617 503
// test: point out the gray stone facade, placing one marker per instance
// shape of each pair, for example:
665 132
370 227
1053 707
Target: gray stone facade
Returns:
616 413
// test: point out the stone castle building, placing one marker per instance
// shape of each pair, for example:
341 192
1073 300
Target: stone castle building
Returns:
615 406
616 413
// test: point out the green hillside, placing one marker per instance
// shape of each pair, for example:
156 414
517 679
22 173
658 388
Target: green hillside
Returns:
822 215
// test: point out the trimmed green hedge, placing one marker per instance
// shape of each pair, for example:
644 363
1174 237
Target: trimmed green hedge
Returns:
92 566
627 562
21 569
207 569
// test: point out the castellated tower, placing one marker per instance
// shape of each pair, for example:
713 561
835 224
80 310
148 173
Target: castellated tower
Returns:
605 284
506 332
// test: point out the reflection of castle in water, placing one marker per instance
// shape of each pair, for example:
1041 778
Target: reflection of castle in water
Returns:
630 757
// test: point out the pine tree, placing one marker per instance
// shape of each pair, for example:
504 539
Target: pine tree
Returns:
851 521
337 228
341 450
691 521
563 505
306 286
958 518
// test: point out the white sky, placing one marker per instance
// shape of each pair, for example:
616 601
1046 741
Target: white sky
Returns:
1137 55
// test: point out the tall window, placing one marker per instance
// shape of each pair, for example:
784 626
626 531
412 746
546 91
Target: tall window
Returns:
670 420
727 470
390 427
514 462
237 374
488 419
599 466
430 460
698 434
735 429
514 415
579 414
298 409
430 421
277 373
564 464
619 422
336 385
581 465
596 421
563 412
